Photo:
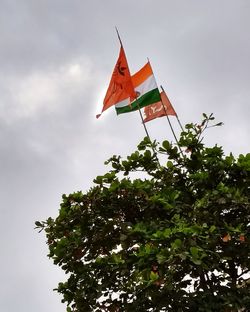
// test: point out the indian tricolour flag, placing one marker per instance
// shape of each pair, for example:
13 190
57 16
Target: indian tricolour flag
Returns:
146 90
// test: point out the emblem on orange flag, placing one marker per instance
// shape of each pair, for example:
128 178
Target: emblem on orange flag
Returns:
120 87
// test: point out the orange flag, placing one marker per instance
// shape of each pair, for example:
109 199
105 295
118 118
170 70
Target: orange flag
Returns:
157 110
120 87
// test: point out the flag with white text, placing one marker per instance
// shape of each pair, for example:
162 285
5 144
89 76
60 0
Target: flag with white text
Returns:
159 109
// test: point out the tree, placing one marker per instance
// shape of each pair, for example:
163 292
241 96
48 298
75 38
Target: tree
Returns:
175 239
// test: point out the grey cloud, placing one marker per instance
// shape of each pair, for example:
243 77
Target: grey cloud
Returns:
56 58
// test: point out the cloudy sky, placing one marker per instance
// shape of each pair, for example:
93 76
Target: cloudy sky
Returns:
56 59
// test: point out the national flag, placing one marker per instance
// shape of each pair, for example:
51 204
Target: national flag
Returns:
120 87
158 110
145 88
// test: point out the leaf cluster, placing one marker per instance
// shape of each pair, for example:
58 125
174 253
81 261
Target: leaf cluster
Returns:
175 239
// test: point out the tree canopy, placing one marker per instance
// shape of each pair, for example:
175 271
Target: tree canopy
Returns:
173 237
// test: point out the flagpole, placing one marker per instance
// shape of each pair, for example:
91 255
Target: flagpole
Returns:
169 121
179 122
171 125
175 112
118 35
145 128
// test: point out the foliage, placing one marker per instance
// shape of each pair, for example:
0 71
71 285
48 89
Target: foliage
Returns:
176 239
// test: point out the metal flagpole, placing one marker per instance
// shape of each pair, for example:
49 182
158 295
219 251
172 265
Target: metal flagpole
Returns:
175 112
118 36
145 128
171 125
179 122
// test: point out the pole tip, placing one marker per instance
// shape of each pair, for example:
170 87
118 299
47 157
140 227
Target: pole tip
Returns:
118 35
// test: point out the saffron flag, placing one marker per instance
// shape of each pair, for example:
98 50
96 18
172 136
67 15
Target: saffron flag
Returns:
120 87
146 90
159 109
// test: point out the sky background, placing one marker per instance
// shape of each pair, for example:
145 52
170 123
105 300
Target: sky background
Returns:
56 60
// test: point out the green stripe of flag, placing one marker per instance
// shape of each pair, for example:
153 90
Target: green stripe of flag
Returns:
146 99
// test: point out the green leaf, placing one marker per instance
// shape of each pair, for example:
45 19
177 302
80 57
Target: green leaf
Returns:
161 258
196 261
219 124
170 164
194 251
98 180
166 145
153 276
212 228
177 244
147 154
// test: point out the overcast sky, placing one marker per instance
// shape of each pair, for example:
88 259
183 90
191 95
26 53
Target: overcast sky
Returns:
56 60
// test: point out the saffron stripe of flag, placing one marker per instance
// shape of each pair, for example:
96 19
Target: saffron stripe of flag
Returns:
145 88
